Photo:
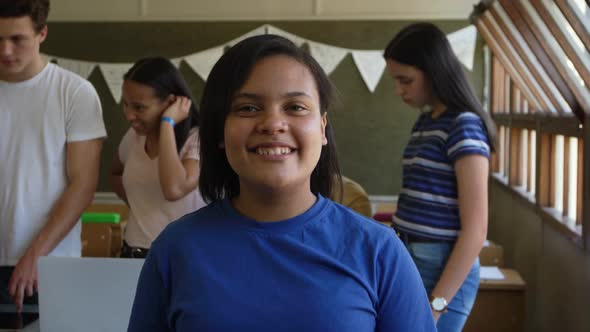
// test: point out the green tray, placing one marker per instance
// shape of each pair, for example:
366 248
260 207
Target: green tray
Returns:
101 217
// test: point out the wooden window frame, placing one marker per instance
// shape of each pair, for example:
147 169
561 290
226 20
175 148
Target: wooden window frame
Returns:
556 54
529 57
562 39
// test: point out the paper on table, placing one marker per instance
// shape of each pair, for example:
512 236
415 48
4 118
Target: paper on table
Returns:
490 273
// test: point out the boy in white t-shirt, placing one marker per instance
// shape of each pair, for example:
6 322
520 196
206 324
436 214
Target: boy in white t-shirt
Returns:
51 131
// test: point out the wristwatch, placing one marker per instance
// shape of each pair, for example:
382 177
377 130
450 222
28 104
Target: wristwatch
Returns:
438 304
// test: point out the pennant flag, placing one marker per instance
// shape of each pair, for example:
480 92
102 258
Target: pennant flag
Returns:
371 65
82 68
261 30
463 44
203 62
113 76
176 62
294 38
329 57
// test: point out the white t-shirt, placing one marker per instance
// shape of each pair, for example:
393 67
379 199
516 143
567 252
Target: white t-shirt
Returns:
149 211
37 118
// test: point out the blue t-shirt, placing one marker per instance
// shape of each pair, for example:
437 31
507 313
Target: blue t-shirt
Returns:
328 269
427 204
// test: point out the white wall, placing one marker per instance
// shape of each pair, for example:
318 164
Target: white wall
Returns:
219 10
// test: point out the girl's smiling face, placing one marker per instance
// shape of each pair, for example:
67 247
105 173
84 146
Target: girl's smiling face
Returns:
275 131
142 108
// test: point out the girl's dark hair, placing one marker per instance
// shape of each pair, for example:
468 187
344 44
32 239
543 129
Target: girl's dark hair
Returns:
425 46
37 10
218 179
162 76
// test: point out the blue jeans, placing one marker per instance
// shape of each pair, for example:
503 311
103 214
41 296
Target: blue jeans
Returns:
430 259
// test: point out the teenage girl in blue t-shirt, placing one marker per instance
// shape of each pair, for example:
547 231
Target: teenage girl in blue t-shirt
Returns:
270 253
442 213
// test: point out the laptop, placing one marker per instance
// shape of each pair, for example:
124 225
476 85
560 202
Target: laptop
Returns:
86 294
10 320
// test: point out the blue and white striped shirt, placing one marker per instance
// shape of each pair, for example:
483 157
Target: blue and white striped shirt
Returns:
427 203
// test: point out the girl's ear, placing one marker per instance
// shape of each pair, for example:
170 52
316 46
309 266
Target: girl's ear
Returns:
170 99
167 102
324 124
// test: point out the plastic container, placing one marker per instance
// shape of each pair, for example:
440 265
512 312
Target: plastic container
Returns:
101 217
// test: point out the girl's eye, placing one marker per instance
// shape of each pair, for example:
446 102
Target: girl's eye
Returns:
296 108
246 109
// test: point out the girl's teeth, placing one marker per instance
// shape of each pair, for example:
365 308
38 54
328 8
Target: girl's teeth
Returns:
273 151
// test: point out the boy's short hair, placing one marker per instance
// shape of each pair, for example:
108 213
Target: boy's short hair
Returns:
37 10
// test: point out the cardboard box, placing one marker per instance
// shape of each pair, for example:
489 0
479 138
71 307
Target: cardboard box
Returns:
116 232
492 255
96 240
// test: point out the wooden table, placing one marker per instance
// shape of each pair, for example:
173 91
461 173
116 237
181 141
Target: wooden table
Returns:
500 305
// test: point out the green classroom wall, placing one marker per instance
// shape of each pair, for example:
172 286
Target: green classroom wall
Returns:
371 129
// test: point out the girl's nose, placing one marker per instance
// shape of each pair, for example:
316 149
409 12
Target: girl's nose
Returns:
129 114
272 122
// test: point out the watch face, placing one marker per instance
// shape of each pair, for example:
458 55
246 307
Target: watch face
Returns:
439 304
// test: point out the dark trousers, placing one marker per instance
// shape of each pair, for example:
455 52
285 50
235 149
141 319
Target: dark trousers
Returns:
133 252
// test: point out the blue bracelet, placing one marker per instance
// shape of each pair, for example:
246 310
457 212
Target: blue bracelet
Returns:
169 120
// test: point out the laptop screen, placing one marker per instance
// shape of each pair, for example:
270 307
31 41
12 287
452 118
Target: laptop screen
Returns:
86 294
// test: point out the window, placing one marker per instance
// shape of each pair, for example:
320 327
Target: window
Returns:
539 97
556 156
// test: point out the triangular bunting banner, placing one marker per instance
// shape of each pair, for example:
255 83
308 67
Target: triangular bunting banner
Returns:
113 75
203 62
463 44
294 38
329 57
371 65
82 68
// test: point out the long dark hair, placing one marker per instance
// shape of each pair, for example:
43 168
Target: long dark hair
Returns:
425 46
218 179
161 75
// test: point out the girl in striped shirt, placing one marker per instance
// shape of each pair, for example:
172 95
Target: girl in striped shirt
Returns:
442 211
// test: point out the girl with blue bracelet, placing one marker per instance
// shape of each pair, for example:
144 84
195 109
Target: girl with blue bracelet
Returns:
156 169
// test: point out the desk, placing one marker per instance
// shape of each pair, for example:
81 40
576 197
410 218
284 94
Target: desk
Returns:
499 306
